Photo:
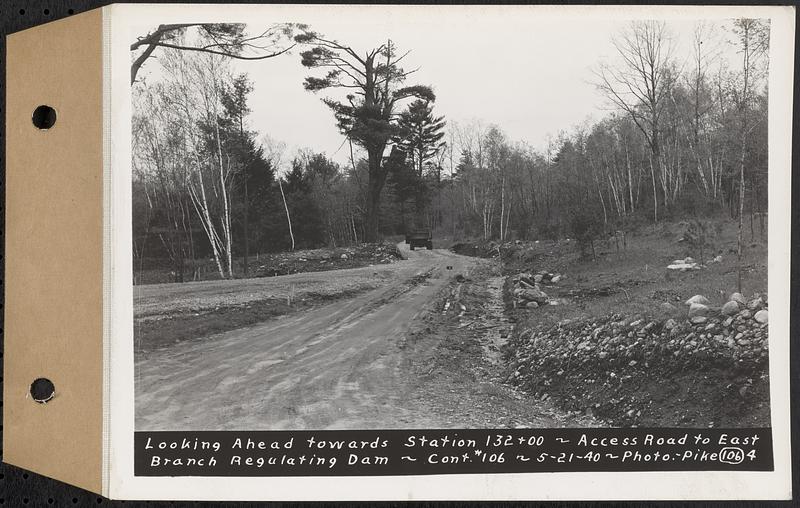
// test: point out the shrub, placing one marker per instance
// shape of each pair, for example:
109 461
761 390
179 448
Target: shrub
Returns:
586 228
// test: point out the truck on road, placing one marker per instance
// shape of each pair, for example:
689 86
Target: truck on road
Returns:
419 239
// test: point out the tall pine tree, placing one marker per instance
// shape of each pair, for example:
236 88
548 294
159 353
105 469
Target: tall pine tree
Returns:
421 133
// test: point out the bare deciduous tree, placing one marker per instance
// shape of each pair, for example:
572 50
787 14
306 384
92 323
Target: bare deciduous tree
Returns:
641 85
753 41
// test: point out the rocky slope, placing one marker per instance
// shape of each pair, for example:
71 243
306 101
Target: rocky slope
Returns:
704 367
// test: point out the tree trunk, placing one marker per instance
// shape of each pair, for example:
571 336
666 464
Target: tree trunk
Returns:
246 229
246 203
374 187
201 206
226 215
655 192
741 212
744 106
373 205
286 207
502 207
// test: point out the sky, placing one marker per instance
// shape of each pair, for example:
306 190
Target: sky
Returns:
529 75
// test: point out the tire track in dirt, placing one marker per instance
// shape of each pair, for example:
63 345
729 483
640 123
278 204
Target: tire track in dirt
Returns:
385 359
332 367
457 358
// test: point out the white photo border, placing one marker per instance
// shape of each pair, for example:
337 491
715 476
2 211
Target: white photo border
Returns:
120 482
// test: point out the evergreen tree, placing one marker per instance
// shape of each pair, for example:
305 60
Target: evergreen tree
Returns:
234 100
368 116
421 133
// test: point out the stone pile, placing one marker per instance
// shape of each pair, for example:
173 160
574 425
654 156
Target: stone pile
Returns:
737 305
684 264
614 348
284 263
527 292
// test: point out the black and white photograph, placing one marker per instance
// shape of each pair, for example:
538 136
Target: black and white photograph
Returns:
459 222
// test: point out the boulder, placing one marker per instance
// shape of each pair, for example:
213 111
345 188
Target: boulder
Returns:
343 256
683 266
738 298
670 324
531 305
556 279
762 316
755 304
698 299
668 308
538 278
525 284
730 308
698 309
534 295
699 319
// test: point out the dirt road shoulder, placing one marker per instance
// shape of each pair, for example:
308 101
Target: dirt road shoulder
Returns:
454 357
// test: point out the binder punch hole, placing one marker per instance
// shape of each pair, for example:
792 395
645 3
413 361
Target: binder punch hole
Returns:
42 390
44 117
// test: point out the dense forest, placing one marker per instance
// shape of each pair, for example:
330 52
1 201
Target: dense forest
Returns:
687 137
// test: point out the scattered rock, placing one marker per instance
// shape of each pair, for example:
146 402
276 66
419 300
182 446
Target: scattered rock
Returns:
698 309
698 299
573 359
668 308
755 304
683 266
531 305
738 298
730 308
343 256
534 295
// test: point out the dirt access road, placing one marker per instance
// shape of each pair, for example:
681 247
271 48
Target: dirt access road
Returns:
346 365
